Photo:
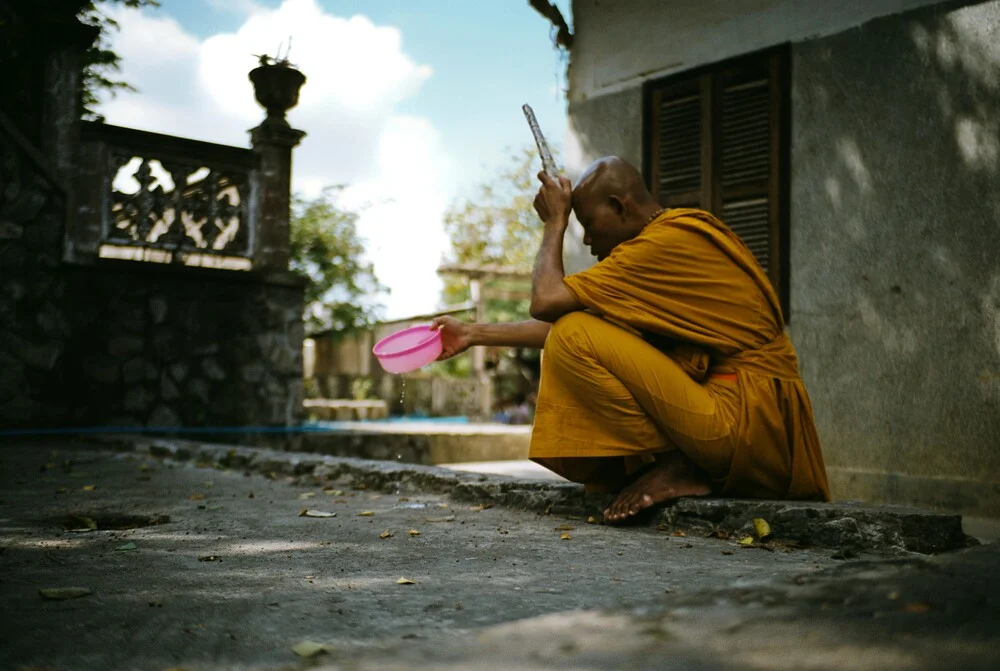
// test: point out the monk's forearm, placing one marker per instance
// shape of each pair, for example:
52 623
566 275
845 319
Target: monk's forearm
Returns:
550 297
530 334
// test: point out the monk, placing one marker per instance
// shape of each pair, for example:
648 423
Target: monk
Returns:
666 370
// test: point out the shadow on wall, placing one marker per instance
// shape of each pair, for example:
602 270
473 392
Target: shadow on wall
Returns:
896 240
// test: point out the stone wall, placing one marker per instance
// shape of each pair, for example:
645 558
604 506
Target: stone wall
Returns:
121 343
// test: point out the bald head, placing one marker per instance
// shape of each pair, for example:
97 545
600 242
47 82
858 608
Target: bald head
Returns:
612 176
612 204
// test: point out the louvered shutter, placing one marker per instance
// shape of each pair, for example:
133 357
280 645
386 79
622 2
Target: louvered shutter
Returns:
679 118
715 141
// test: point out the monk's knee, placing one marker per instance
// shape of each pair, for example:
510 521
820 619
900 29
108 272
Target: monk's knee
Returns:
568 334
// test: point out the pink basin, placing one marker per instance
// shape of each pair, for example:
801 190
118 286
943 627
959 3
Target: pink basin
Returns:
408 349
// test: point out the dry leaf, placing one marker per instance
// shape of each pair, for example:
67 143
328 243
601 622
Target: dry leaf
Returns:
442 505
366 513
403 498
333 492
761 528
89 488
197 497
565 537
88 524
209 558
306 512
746 541
405 581
450 518
481 507
309 649
727 552
61 490
60 593
307 495
686 545
593 520
413 532
127 547
385 534
915 607
679 534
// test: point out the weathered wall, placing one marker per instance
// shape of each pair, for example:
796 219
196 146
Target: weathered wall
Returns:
895 207
132 344
193 347
619 45
895 254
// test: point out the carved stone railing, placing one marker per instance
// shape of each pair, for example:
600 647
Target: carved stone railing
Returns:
176 196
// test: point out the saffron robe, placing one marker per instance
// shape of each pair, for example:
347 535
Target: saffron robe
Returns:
684 347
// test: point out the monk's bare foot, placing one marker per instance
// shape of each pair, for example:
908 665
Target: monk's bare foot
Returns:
665 481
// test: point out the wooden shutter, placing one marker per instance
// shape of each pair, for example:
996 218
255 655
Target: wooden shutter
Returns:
716 141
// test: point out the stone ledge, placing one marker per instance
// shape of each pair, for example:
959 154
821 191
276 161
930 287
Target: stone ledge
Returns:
844 525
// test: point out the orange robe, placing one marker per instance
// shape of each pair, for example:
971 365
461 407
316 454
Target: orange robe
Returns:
688 351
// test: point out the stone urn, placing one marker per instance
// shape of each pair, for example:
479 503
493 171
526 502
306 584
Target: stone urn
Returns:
276 87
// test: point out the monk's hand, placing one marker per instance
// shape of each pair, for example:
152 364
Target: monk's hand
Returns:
456 336
553 202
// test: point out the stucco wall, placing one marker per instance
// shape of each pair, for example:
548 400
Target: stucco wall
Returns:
896 254
895 216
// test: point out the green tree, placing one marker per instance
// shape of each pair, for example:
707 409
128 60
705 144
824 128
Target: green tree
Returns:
327 250
497 226
101 64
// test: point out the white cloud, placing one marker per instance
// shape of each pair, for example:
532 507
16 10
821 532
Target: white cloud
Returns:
357 74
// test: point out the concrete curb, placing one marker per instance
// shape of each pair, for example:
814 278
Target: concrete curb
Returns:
850 527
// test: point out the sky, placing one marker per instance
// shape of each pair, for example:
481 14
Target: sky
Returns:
410 103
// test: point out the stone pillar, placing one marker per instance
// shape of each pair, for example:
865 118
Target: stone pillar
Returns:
276 86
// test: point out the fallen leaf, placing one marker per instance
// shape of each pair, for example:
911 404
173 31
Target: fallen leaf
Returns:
413 532
915 607
565 537
144 467
209 558
333 492
679 534
563 527
746 541
307 495
893 595
846 553
593 520
89 488
403 499
761 528
366 513
60 593
481 507
88 524
374 497
719 533
127 547
156 604
361 486
385 534
307 512
727 552
196 497
309 649
405 581
686 545
442 505
450 518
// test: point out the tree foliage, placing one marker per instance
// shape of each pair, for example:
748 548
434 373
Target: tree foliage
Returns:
497 226
101 64
327 250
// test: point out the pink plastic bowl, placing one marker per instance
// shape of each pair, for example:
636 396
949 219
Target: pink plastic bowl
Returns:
408 349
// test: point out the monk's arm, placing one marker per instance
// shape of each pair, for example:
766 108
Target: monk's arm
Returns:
550 297
530 334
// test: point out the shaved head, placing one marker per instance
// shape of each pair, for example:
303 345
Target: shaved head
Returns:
612 176
612 204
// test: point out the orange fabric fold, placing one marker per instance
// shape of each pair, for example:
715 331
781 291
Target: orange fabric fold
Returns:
694 291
